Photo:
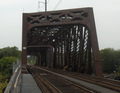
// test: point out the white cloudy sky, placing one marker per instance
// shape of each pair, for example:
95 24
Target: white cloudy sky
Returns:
106 12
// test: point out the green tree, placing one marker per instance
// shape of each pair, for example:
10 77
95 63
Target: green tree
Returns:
107 58
110 58
7 56
3 84
6 65
10 51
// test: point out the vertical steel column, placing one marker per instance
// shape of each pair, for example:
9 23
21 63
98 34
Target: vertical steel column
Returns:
77 41
89 54
24 40
65 51
39 60
58 54
54 62
68 49
73 59
52 56
79 29
75 46
61 52
85 51
95 48
80 48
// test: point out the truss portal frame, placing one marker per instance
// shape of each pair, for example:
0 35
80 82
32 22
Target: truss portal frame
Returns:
70 34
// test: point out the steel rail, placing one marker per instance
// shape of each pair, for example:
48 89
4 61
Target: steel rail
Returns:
80 87
98 82
41 85
49 85
114 85
91 77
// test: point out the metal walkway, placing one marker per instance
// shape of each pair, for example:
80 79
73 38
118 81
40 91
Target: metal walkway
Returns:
22 82
29 85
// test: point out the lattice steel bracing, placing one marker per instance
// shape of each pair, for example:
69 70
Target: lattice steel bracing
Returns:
62 39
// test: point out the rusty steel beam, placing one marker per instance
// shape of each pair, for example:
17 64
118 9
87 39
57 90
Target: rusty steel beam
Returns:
24 40
39 56
61 52
94 43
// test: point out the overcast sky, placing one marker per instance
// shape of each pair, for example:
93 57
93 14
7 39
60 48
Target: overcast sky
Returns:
106 13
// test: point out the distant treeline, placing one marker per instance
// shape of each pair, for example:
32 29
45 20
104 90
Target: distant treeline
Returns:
10 51
110 59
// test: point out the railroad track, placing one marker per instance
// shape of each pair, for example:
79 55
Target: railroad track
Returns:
108 83
50 82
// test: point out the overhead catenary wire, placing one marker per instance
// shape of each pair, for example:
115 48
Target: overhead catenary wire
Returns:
57 4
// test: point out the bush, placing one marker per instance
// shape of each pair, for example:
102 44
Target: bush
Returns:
3 84
6 64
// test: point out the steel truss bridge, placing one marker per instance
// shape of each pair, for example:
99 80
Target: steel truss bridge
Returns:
64 39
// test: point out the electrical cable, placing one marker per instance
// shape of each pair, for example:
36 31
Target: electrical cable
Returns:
57 4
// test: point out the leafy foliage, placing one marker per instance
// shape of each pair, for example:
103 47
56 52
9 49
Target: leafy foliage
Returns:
110 59
6 65
10 51
7 56
3 84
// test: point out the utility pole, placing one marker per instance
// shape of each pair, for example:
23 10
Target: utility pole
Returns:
38 5
43 3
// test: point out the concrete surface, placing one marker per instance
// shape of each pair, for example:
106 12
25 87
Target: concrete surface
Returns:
29 85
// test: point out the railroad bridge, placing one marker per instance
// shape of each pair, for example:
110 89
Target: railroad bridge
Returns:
64 39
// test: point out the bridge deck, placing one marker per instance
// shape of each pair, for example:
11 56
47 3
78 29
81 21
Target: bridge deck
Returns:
29 85
90 85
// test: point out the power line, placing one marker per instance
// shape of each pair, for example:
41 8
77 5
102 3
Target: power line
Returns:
57 4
